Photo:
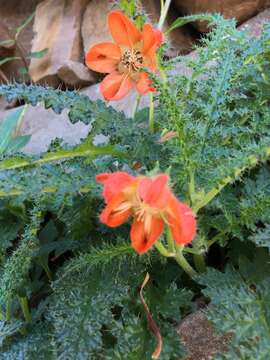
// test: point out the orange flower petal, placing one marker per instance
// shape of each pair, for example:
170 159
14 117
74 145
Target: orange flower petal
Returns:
114 183
103 57
159 37
123 31
149 38
115 86
182 222
152 39
116 212
142 239
155 192
143 86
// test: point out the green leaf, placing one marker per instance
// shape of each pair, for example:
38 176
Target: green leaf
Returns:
82 150
7 127
262 237
18 143
8 59
27 21
240 306
36 344
23 71
38 54
188 19
8 329
7 43
82 306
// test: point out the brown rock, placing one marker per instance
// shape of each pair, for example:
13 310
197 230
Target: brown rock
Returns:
242 10
94 24
72 73
200 338
95 28
180 40
255 25
13 14
57 28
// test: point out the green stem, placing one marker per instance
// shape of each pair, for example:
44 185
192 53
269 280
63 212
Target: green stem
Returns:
25 308
191 250
164 12
199 262
43 263
252 161
183 262
8 309
151 113
170 241
137 104
191 186
163 251
161 5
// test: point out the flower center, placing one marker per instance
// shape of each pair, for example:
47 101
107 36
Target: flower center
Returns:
132 60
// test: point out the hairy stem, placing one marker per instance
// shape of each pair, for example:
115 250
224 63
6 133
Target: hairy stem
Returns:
25 308
163 251
199 262
181 260
8 308
151 113
137 104
170 241
164 12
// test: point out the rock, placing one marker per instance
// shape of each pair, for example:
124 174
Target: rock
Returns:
127 104
74 73
180 40
200 338
255 25
57 28
45 126
13 14
242 10
95 29
94 24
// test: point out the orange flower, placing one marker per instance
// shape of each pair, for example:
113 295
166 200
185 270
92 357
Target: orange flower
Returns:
123 61
152 205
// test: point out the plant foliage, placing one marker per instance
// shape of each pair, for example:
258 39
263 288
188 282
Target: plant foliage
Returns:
69 285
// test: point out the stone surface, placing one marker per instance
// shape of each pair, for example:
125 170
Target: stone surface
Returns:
200 338
12 14
255 25
94 24
180 40
57 28
127 104
45 125
95 29
242 10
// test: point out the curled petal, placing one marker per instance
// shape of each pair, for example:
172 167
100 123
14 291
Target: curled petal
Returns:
116 212
152 38
114 183
143 86
115 86
182 222
144 235
103 57
155 192
123 31
159 37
